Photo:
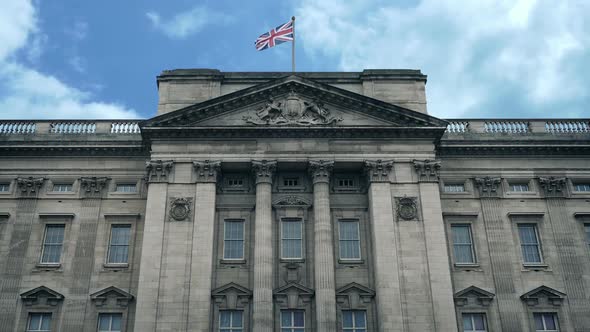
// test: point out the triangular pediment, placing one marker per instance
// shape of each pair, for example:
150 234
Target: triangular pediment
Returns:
297 102
473 295
543 291
41 295
231 288
354 287
111 291
293 288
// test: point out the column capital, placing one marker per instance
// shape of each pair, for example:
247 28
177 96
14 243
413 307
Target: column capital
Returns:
207 170
158 170
29 187
93 186
264 170
552 186
378 170
320 170
427 170
488 186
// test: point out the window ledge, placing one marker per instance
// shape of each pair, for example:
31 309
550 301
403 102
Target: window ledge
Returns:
48 267
65 193
232 261
535 267
115 266
468 267
292 260
351 261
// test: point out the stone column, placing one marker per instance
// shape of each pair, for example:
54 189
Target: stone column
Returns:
441 287
325 285
146 311
199 314
263 255
387 286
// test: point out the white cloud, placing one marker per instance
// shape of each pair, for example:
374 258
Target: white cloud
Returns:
27 93
471 50
187 23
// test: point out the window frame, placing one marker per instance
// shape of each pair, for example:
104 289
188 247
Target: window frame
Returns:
485 321
112 226
243 240
302 239
358 240
292 327
231 328
69 186
101 314
474 260
543 314
126 184
354 327
519 186
538 244
46 226
453 185
42 313
6 185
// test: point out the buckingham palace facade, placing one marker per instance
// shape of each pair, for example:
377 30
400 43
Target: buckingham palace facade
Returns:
292 202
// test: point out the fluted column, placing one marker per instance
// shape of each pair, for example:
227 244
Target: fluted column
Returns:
385 256
263 257
325 286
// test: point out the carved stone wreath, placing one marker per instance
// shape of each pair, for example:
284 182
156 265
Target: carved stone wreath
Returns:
180 208
407 208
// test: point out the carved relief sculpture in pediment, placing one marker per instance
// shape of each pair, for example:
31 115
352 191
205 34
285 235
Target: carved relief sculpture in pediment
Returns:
292 110
158 170
29 186
93 185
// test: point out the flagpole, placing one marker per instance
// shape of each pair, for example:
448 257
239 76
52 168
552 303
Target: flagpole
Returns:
293 48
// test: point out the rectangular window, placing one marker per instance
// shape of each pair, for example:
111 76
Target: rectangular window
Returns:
291 238
349 238
584 187
354 321
119 244
519 187
463 244
233 239
109 322
292 321
290 182
454 188
4 187
474 323
62 187
235 182
126 188
546 322
52 244
345 182
39 322
529 243
231 321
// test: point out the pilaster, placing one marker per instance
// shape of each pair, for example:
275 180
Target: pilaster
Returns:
263 251
441 286
325 286
385 255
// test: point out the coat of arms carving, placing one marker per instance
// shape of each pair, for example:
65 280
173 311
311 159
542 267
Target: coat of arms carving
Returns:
180 208
407 208
292 110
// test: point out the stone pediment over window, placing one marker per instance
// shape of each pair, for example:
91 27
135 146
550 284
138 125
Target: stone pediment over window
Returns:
292 102
354 296
231 296
293 295
111 296
543 296
473 295
41 296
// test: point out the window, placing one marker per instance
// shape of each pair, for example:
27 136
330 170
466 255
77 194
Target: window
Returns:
519 187
62 187
474 323
585 187
546 322
4 187
350 244
346 182
126 188
529 243
454 188
39 322
354 321
109 322
230 320
291 238
587 229
290 182
233 239
292 321
119 244
235 182
52 244
463 244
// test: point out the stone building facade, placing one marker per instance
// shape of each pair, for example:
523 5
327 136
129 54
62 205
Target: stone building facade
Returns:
306 202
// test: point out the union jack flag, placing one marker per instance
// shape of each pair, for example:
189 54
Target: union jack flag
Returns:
282 33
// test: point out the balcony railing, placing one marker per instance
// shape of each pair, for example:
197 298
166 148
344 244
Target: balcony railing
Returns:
69 127
519 126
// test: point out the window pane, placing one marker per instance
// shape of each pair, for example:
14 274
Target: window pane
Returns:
467 323
539 326
35 322
550 322
461 234
347 319
224 319
285 318
359 319
52 245
237 319
349 230
479 322
298 319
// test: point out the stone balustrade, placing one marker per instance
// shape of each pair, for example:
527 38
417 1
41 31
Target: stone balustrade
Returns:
69 127
519 126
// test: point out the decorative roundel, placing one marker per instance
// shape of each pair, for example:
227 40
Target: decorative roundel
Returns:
407 209
180 209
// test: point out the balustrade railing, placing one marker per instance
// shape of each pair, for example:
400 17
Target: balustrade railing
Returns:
17 127
518 126
69 127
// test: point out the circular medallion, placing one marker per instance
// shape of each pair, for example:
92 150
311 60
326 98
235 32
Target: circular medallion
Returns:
180 209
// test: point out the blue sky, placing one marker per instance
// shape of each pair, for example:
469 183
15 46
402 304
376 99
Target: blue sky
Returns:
486 58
